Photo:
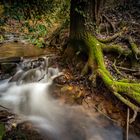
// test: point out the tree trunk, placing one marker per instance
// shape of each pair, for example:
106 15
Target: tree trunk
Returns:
83 15
77 20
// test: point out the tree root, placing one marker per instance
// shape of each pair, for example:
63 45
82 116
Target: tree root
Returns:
111 24
111 38
127 123
134 117
119 89
136 73
117 49
118 71
134 48
127 69
90 65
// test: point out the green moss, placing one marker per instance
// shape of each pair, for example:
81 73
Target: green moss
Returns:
1 39
95 53
105 78
127 102
132 90
116 49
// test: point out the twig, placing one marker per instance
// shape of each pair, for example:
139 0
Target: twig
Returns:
127 123
118 72
107 31
136 73
7 119
4 107
111 24
101 112
122 61
127 69
134 116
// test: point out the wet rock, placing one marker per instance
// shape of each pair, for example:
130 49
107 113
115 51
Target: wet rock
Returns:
5 115
4 76
29 64
10 59
23 131
14 135
8 67
17 76
60 80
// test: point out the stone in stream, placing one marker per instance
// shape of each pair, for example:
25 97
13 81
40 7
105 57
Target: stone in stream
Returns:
10 59
8 67
30 71
23 131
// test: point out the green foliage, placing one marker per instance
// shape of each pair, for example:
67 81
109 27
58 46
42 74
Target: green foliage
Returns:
2 130
36 34
35 9
34 18
1 38
41 29
39 42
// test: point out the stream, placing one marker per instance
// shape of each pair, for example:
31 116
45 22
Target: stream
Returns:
29 94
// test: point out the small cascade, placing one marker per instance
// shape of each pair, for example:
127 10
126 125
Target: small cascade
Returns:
34 71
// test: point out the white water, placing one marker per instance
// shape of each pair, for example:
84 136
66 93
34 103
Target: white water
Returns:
33 101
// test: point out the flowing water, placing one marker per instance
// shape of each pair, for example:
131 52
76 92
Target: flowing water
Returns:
29 94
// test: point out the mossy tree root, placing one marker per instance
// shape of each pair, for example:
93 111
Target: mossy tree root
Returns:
134 48
118 49
111 38
132 52
119 89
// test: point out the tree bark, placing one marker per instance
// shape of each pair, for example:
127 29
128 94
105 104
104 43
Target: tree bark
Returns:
77 20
